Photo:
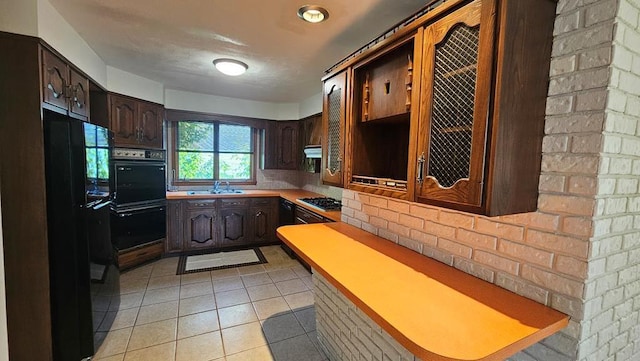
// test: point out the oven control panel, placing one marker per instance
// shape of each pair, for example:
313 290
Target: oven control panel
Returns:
138 154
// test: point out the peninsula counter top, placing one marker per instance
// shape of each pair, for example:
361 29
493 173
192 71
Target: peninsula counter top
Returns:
436 311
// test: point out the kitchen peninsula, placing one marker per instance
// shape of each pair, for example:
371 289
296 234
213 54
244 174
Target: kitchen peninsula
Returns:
435 311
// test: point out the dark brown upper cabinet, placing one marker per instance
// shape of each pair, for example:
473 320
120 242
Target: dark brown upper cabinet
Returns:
380 120
282 145
452 140
334 121
470 134
485 73
64 89
135 123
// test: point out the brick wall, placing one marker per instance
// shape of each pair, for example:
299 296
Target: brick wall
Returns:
612 291
579 252
346 333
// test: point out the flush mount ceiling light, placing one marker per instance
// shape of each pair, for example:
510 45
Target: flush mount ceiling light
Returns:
230 67
313 13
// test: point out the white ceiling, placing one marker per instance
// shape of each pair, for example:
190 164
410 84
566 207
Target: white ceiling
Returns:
175 42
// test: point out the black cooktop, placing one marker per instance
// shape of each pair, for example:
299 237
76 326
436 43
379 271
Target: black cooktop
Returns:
323 203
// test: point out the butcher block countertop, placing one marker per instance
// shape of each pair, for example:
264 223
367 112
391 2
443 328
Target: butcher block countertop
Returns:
288 194
435 311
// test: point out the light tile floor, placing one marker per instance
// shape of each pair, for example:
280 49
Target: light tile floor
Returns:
259 313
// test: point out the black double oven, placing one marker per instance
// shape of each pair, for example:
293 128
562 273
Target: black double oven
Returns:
138 214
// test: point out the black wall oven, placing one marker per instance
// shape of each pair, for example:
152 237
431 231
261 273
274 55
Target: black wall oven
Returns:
139 205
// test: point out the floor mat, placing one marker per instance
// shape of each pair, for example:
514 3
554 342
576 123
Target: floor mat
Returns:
220 260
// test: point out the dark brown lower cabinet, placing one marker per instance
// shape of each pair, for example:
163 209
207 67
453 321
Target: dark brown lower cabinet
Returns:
174 227
264 219
211 224
200 227
234 227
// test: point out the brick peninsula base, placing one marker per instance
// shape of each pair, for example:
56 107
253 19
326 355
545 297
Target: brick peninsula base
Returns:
346 333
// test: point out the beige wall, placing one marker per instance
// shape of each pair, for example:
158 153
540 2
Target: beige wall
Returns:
579 252
19 17
123 82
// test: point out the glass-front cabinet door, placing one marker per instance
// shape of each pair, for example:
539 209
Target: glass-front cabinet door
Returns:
457 66
334 112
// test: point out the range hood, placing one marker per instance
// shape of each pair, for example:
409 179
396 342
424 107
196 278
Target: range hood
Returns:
313 151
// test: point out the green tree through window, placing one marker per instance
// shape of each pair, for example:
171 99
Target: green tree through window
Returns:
214 151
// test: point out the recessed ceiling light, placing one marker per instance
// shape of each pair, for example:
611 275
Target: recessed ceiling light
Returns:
230 66
313 13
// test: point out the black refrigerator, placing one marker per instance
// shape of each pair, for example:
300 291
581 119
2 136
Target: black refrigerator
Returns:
84 279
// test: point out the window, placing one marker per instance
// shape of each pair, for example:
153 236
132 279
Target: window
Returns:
207 151
97 153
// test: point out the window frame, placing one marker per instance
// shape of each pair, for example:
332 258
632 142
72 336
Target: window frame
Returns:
216 153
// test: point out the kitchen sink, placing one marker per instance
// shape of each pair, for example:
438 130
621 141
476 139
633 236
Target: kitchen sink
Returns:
216 191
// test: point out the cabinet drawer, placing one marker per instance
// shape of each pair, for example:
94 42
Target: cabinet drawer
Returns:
270 201
140 255
304 216
201 203
234 202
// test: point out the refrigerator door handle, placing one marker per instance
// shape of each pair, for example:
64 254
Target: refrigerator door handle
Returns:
102 205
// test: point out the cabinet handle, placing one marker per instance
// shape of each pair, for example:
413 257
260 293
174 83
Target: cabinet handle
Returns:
79 103
420 171
365 106
334 170
409 82
55 92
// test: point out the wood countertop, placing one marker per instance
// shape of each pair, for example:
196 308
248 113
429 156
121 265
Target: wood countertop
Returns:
435 311
291 195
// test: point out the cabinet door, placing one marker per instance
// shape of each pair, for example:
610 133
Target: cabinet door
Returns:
386 87
200 229
234 227
54 80
264 219
453 121
334 113
79 94
287 145
313 130
282 145
150 123
270 156
174 227
122 118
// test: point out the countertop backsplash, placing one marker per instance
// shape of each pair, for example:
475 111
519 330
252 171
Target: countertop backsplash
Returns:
280 179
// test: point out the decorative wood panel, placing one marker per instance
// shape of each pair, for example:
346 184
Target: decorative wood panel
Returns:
123 122
151 120
55 80
234 226
78 94
264 214
200 229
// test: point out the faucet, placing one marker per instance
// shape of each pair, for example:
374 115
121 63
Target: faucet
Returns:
228 186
